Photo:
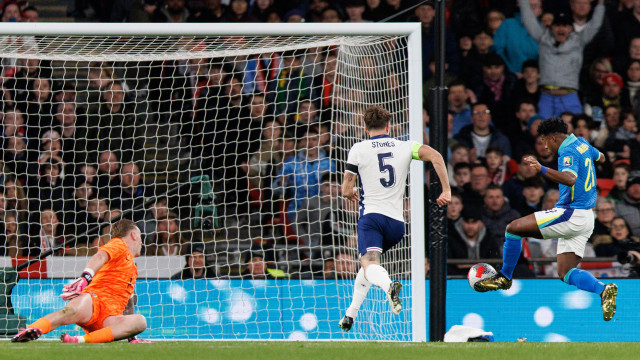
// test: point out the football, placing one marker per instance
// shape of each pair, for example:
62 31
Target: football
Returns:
480 272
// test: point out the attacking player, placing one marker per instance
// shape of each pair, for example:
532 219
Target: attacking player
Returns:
98 298
382 164
571 221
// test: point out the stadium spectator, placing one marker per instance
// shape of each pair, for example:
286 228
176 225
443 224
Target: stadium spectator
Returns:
470 240
524 136
78 144
76 216
610 126
496 213
583 126
116 122
454 209
605 212
293 16
173 11
513 187
603 42
533 191
88 173
316 7
560 58
459 105
167 240
300 176
196 266
550 199
38 108
30 14
495 88
355 10
16 199
262 9
11 12
239 12
629 207
461 176
494 19
49 187
627 27
11 237
481 134
513 42
473 59
108 180
258 268
48 235
499 168
612 94
376 10
345 266
425 13
157 210
474 191
591 81
331 15
212 12
620 243
133 193
528 86
621 170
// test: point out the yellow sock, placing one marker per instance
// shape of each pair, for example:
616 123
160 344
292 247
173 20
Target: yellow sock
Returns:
43 324
99 336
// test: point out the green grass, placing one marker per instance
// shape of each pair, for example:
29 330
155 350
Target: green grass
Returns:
47 350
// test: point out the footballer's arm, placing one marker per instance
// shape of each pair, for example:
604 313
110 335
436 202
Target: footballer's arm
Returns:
348 186
427 153
97 261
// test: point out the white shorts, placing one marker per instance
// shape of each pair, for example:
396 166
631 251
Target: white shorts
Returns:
572 228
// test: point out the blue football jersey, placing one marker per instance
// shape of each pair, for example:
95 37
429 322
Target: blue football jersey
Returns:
577 156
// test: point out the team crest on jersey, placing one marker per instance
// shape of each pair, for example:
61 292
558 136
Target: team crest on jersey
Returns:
582 148
567 161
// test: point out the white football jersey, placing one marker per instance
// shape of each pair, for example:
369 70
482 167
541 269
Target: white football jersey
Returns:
382 164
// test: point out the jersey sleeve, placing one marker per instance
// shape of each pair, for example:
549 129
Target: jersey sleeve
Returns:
352 160
115 249
595 154
568 162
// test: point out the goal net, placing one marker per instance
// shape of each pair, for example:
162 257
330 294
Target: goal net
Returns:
228 152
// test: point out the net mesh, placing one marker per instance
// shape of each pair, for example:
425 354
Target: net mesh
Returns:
230 147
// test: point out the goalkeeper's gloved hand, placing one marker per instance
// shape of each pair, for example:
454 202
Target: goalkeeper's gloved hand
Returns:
136 340
74 289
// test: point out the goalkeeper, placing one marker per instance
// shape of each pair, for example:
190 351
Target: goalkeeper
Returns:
98 298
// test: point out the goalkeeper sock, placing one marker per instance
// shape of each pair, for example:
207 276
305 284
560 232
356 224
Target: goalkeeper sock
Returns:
583 280
360 290
510 254
378 276
43 324
99 336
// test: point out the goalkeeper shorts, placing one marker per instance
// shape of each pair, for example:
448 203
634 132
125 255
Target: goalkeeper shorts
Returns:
100 312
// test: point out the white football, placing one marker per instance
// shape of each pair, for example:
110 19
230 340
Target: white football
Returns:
480 272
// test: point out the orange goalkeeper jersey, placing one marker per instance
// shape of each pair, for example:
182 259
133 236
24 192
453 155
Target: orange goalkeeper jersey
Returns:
115 281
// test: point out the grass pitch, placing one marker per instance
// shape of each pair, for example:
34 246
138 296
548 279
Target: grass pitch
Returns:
227 350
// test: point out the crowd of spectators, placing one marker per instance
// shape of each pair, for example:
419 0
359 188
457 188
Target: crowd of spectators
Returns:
262 124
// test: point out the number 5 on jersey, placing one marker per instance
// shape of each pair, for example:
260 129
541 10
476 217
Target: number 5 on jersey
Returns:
386 168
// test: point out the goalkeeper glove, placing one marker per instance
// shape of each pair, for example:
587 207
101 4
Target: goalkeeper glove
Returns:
74 289
136 340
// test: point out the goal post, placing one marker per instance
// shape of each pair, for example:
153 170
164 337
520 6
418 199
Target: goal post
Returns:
171 137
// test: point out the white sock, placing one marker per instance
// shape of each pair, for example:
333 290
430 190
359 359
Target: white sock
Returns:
360 290
378 276
80 339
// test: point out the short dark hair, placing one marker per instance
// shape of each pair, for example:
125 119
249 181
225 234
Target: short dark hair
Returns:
494 149
531 63
456 82
473 106
459 166
474 166
553 125
533 182
459 146
529 101
588 119
122 228
493 186
376 117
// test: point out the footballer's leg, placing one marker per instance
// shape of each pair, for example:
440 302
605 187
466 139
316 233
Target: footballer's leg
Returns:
360 289
78 310
516 230
115 327
584 280
377 275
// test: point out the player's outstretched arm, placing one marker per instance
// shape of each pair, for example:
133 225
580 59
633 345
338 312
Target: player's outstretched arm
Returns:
601 158
427 153
348 186
561 177
74 289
